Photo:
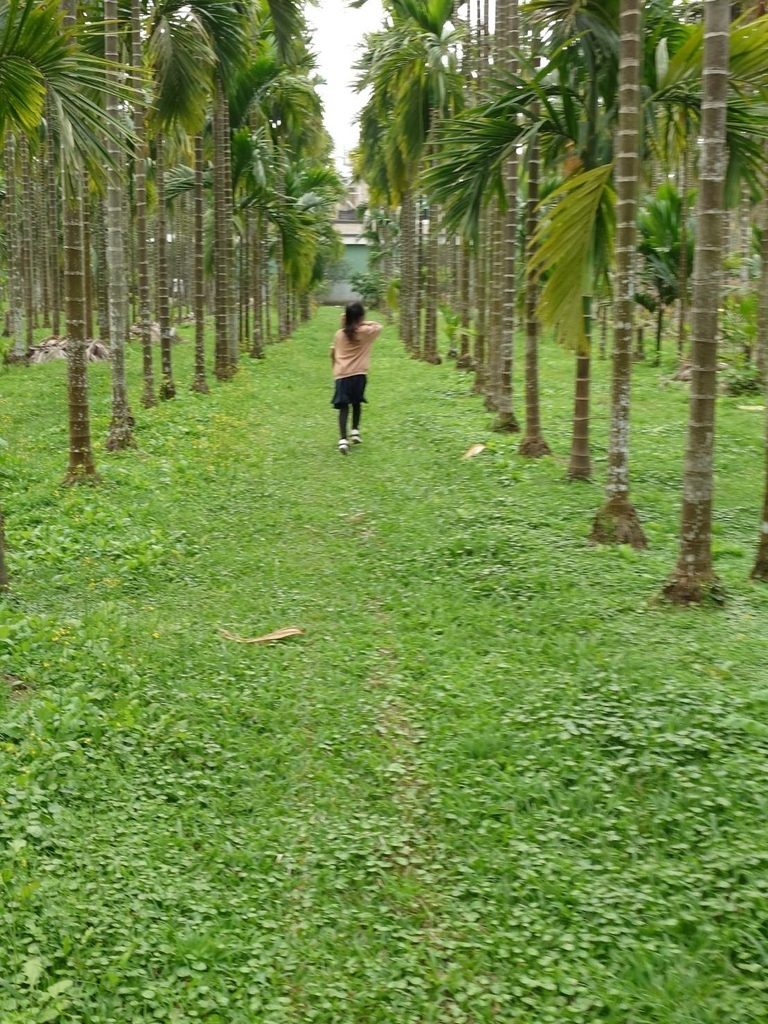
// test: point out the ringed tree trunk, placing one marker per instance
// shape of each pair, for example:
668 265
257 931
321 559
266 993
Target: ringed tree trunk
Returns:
52 203
431 354
81 468
506 421
199 383
257 340
495 307
28 269
3 571
464 359
760 570
481 298
693 578
222 368
120 432
683 260
148 397
81 464
407 270
15 288
762 316
87 257
533 445
167 387
580 465
616 522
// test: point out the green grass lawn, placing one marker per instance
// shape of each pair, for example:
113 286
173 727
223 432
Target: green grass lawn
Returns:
493 781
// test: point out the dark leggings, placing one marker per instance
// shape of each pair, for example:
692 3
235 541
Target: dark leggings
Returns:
343 413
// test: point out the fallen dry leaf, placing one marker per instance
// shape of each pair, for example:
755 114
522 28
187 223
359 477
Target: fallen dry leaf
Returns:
752 408
474 450
279 634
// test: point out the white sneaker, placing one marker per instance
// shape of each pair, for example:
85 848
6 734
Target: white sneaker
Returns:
344 446
356 439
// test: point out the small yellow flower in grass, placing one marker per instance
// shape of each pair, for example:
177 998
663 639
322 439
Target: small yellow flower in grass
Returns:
156 636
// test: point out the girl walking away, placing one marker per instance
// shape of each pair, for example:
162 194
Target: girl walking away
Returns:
350 358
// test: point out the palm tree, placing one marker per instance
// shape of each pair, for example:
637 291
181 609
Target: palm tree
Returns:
15 292
617 521
120 431
148 398
693 577
199 382
533 444
413 72
506 420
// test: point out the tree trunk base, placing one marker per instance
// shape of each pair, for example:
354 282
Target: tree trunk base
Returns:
617 523
148 398
506 423
683 588
578 471
200 385
257 353
120 438
80 475
433 359
534 448
167 390
490 404
464 362
760 571
12 357
452 353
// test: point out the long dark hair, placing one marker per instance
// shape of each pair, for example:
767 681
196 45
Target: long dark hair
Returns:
354 315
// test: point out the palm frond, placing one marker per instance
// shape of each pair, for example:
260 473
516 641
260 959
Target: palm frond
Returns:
571 243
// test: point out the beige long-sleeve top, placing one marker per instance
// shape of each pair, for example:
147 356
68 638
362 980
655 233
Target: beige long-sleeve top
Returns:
352 357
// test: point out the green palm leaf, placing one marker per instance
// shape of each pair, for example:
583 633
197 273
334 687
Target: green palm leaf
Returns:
569 247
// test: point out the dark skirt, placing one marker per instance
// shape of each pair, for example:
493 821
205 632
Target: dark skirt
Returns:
349 391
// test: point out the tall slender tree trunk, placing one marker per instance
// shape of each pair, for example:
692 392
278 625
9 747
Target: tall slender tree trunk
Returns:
28 270
761 354
4 583
167 387
102 274
81 463
682 322
120 432
580 465
257 341
506 421
52 197
267 288
481 297
760 570
148 397
222 368
407 270
431 354
693 577
464 359
43 236
495 306
87 257
199 383
616 522
533 444
232 298
15 285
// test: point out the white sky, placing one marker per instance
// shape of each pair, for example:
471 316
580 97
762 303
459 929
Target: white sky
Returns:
337 39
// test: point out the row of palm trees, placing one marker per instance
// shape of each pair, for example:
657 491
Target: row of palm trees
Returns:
132 134
530 140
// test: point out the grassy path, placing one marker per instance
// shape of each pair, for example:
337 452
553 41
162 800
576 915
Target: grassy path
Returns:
491 783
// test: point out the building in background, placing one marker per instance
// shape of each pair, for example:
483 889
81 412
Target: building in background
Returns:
348 223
